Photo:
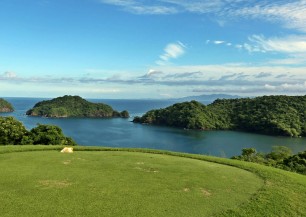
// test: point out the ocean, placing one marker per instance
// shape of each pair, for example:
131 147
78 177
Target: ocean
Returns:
118 132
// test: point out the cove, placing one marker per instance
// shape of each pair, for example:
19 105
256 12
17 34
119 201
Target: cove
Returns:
119 132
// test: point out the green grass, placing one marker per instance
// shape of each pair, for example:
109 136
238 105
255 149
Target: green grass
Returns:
138 182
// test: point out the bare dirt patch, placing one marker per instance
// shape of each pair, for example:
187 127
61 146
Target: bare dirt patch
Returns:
205 192
186 189
54 183
148 170
66 162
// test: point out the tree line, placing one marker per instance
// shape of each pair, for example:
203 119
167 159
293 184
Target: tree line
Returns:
273 115
280 157
13 132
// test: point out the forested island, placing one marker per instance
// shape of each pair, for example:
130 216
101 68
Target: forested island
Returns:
74 106
272 115
5 106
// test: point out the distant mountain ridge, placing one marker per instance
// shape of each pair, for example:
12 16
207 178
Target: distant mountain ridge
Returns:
210 97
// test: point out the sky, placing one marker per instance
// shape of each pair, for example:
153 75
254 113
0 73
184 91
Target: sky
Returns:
125 49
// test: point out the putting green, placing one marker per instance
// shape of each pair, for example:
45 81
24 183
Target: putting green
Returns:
118 183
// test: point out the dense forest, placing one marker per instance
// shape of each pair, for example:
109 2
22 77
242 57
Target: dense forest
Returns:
74 106
273 115
280 157
5 106
13 132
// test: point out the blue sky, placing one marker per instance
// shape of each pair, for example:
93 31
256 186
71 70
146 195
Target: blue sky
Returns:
152 49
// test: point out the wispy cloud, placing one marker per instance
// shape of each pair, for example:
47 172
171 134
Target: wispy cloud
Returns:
292 46
9 75
291 14
219 42
230 78
171 51
138 7
289 44
293 89
263 75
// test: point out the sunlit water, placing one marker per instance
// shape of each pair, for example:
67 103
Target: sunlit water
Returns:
119 132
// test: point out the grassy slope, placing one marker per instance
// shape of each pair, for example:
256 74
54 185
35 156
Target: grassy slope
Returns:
283 193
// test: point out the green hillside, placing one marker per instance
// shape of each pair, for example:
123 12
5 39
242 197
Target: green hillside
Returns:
74 106
95 181
5 106
273 115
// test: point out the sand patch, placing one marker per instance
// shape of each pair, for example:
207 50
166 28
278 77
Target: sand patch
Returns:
186 189
66 162
54 183
148 170
140 163
205 192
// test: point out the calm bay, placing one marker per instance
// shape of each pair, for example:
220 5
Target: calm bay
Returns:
119 132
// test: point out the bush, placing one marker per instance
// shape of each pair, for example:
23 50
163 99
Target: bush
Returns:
12 132
49 135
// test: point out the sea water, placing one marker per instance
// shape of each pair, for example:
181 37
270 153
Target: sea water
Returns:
119 132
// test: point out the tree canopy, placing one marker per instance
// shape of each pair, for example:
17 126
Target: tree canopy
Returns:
12 132
273 115
280 157
5 106
74 106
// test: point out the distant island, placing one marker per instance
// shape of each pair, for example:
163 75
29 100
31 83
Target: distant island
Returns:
74 106
272 115
5 106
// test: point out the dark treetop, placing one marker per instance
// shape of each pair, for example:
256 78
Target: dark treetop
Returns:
273 115
74 106
5 106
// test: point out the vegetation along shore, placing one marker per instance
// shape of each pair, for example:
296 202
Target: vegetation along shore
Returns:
272 115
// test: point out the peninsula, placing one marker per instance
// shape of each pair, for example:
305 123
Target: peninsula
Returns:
272 115
5 106
74 106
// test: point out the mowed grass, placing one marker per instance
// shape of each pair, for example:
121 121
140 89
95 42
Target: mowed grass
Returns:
113 183
137 182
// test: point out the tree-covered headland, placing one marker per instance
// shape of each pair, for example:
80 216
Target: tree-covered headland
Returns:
280 157
272 115
5 106
74 106
13 132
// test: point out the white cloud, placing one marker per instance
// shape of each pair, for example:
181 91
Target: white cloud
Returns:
198 6
230 78
270 87
293 59
9 74
289 44
291 14
137 7
292 46
171 51
219 42
153 72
